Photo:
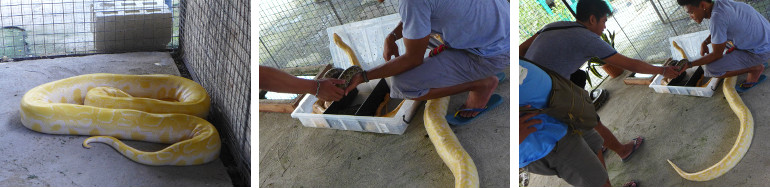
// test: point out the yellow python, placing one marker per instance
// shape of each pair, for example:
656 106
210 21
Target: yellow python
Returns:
447 145
442 137
742 143
154 108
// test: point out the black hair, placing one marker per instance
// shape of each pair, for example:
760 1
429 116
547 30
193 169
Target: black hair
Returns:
691 2
587 8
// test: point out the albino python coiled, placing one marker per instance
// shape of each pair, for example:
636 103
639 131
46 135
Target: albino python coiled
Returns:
447 145
154 108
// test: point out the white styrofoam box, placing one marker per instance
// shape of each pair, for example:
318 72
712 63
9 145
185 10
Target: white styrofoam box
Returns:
691 44
131 25
366 38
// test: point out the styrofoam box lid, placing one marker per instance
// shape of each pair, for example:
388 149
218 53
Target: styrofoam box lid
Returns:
367 39
690 43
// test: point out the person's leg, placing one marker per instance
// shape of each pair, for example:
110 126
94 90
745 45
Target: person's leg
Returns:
736 63
479 93
595 142
575 160
752 77
451 72
612 143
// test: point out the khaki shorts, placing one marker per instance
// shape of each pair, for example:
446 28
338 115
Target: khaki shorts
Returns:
574 160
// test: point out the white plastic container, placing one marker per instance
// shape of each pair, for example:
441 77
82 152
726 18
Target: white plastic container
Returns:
390 125
690 43
367 42
706 91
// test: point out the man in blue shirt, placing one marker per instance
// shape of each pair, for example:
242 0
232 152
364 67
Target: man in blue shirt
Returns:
745 27
477 34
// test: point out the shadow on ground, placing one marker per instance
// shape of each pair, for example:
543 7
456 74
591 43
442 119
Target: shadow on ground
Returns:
693 132
292 155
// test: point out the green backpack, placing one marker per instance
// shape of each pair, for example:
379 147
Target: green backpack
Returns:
568 103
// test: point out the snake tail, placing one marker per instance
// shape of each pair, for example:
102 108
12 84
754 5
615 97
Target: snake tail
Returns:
197 148
448 146
742 142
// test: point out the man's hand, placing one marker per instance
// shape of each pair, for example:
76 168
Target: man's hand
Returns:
525 124
390 49
672 72
704 48
328 91
357 79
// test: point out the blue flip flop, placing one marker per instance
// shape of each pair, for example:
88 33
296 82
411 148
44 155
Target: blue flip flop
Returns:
453 119
500 76
740 89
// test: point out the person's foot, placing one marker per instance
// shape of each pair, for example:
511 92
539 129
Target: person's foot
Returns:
630 148
745 86
479 96
631 183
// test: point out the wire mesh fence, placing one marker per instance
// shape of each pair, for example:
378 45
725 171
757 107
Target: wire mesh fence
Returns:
215 46
643 27
293 33
37 28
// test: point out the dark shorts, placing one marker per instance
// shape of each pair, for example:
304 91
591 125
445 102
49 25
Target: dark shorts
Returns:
574 160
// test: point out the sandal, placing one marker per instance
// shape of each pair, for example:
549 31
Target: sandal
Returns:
456 120
632 183
637 143
740 88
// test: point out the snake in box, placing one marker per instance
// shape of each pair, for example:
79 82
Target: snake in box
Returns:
444 140
153 108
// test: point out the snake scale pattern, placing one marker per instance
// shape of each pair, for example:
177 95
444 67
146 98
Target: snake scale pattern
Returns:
447 145
444 140
742 142
154 108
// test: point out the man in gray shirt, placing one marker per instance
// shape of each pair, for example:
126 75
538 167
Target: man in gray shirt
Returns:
565 46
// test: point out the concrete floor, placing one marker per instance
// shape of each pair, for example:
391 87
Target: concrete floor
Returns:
30 158
292 155
693 132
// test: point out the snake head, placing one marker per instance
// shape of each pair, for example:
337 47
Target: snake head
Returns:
348 74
